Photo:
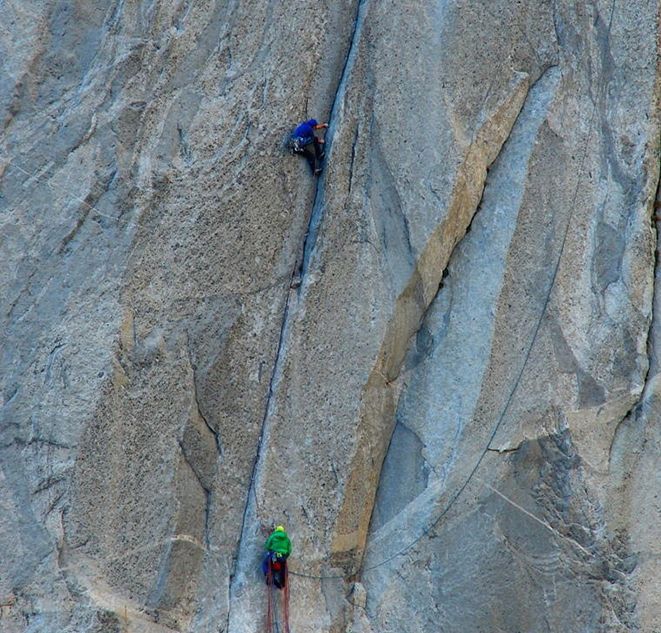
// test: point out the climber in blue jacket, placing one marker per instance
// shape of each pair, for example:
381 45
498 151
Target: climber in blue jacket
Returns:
304 141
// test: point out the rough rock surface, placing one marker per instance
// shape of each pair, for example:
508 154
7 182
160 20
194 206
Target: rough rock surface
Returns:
438 363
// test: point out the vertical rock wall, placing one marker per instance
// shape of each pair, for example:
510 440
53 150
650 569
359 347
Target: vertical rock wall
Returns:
436 364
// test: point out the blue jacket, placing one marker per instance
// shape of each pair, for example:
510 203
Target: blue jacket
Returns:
305 130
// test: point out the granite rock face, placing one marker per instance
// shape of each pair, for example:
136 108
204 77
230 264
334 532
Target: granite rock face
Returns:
437 364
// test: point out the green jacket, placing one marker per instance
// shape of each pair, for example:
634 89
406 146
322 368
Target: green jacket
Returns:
278 542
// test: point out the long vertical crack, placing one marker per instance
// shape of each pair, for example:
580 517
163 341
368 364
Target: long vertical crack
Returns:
308 244
298 272
653 364
319 200
214 432
207 490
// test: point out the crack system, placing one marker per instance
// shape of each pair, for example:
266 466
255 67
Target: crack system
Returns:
309 245
318 205
297 275
646 392
214 432
205 489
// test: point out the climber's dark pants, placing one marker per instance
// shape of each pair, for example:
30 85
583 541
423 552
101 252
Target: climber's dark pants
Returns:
313 154
278 569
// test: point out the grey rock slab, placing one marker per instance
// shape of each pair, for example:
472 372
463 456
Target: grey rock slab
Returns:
450 356
563 366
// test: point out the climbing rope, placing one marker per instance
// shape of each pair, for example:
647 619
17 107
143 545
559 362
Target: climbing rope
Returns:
269 605
271 611
285 598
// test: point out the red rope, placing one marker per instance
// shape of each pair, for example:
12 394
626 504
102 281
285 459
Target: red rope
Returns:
285 598
269 589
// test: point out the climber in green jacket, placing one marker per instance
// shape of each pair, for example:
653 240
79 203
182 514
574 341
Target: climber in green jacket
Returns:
274 565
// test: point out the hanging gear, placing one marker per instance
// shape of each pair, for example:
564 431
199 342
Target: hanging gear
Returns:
274 567
277 577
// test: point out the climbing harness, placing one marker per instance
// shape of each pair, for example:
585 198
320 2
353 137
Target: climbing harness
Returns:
299 143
